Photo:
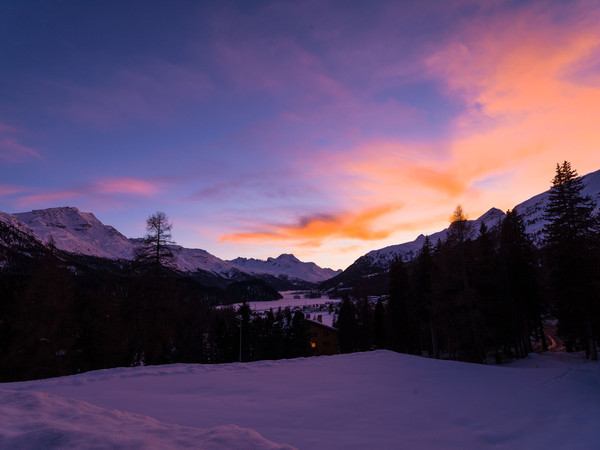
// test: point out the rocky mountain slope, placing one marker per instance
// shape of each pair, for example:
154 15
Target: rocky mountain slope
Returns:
82 233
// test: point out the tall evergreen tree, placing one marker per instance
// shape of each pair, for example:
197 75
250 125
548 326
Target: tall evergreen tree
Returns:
379 329
245 336
402 317
570 241
427 307
520 293
347 326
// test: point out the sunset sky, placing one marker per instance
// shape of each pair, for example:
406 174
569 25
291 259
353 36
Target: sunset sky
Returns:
320 128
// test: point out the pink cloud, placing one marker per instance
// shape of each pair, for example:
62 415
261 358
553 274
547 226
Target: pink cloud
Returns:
129 186
11 149
107 191
47 199
6 190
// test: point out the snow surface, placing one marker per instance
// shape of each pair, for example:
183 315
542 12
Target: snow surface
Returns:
379 399
36 420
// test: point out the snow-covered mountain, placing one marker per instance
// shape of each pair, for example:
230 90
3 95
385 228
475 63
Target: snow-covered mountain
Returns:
285 264
78 232
532 211
383 256
82 233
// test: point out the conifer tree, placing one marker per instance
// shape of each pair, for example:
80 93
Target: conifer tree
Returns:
348 326
244 312
379 333
155 250
520 282
427 307
402 317
570 240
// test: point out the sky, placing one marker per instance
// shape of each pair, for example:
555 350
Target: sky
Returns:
321 128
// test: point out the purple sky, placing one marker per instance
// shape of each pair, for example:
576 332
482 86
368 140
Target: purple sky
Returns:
325 129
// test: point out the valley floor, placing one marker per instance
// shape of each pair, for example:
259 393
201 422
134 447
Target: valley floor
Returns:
377 399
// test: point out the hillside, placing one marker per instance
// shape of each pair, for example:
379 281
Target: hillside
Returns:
363 400
532 210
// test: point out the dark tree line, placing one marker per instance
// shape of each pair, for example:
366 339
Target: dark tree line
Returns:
62 314
466 298
472 298
55 322
572 256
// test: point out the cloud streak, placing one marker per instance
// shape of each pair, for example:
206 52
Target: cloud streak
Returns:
316 229
12 150
101 190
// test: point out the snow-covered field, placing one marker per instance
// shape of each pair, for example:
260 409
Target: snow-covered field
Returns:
364 400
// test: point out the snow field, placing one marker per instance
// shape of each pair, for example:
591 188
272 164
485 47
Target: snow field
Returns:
34 420
379 399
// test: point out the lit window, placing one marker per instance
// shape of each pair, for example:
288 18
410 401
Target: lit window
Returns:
313 345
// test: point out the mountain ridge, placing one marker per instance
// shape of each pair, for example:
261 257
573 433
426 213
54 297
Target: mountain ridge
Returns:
287 262
78 232
531 210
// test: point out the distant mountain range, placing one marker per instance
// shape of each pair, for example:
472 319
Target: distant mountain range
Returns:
81 233
374 262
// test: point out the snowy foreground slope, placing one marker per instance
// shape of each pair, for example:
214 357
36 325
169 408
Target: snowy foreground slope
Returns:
364 400
35 420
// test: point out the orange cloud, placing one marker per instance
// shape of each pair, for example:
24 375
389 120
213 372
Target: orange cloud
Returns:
528 105
531 89
316 229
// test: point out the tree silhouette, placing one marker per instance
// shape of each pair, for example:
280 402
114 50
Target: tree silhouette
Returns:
570 242
155 250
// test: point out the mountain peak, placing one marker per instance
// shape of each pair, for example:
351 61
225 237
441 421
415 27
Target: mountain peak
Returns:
57 209
287 257
493 214
287 264
77 232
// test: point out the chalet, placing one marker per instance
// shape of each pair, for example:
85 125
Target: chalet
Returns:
323 339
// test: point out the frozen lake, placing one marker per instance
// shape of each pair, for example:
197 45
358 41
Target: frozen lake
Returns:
313 306
289 300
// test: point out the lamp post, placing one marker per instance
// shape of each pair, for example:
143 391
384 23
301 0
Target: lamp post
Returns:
241 323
